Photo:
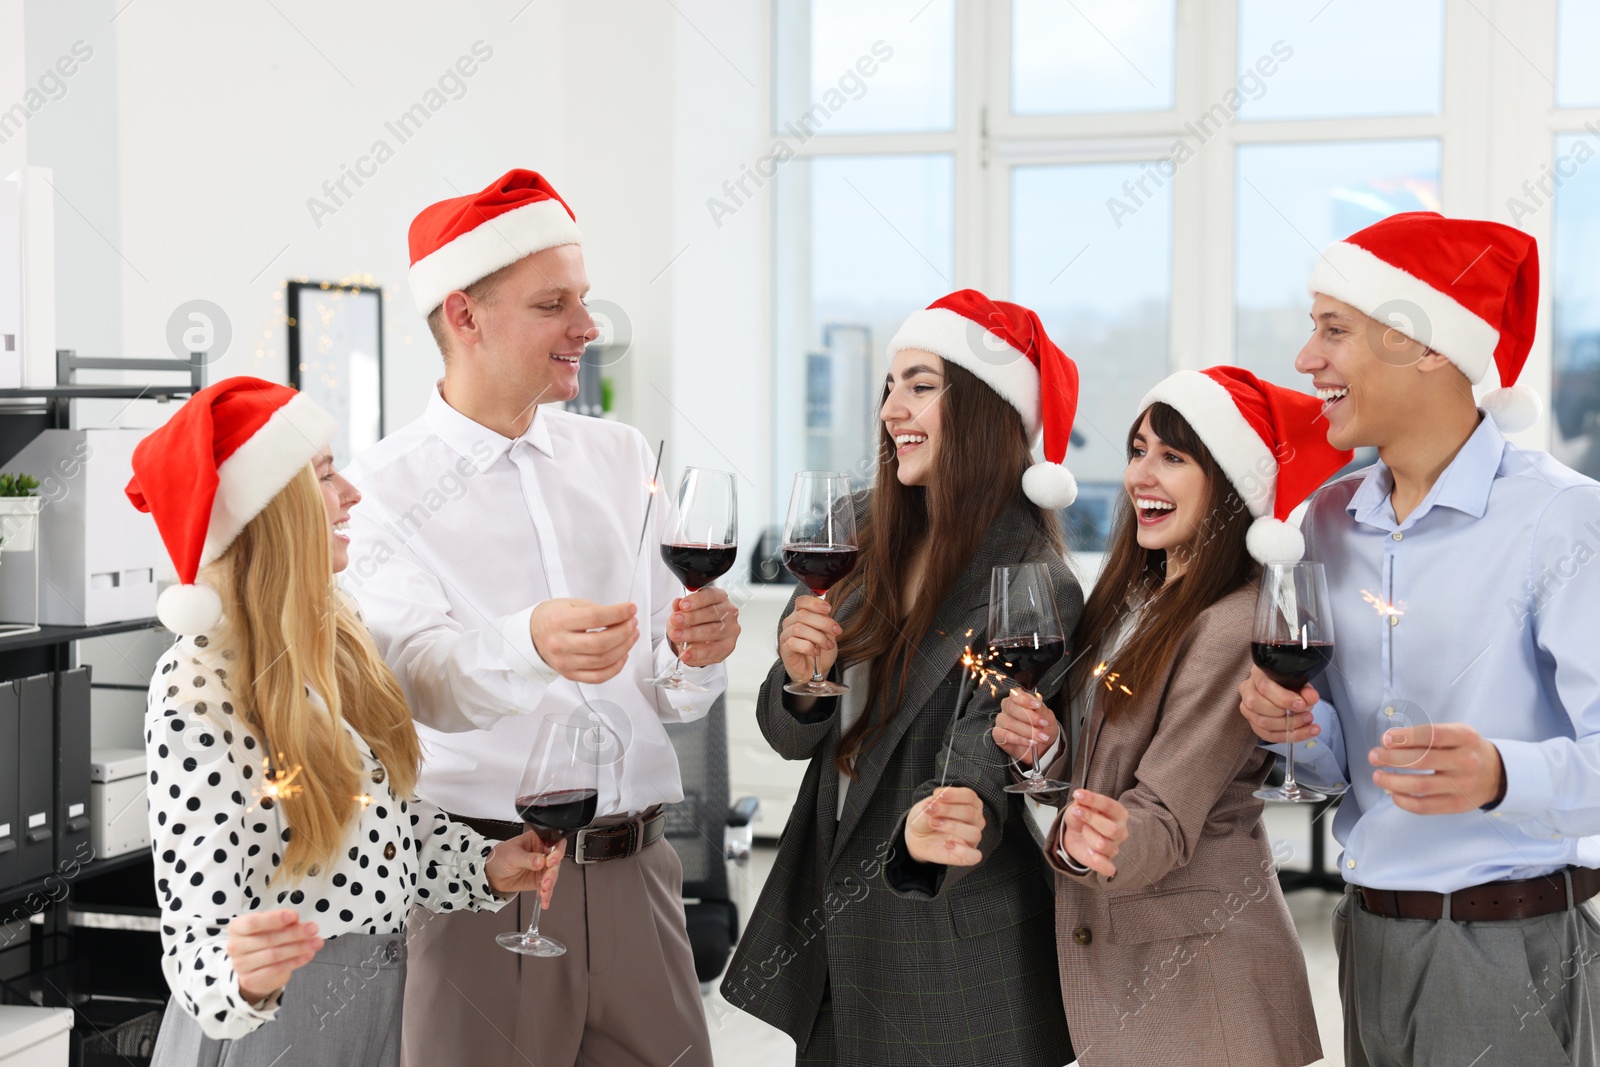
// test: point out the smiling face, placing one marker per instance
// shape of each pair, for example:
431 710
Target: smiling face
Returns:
1365 373
1169 490
910 413
524 337
338 497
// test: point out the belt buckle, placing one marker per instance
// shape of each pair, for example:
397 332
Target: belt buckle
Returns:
579 840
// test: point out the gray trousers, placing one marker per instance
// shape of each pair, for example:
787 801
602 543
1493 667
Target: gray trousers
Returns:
624 995
1422 993
341 1008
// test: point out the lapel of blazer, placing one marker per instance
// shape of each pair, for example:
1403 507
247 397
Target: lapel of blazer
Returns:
959 622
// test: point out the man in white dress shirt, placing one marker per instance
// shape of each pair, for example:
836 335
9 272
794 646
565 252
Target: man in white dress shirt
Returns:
497 562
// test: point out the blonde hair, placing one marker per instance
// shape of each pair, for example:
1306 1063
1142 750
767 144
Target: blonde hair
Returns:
288 627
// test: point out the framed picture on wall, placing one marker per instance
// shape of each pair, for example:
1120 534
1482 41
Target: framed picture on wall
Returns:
336 358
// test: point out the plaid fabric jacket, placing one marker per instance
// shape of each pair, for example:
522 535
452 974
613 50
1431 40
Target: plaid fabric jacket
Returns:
1189 954
965 975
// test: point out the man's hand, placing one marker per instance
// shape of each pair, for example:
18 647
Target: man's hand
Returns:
266 947
584 641
523 863
946 828
1273 711
1467 772
704 627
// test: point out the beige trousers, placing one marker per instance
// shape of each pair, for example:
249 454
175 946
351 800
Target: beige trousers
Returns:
624 995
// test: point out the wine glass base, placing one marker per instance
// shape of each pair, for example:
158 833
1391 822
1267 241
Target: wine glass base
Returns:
531 944
1039 787
678 684
1297 794
817 689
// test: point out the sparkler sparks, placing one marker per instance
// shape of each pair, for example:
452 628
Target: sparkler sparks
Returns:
1382 606
1109 677
276 785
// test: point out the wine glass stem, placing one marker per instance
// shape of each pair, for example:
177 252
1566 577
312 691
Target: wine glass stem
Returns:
816 661
1288 768
533 923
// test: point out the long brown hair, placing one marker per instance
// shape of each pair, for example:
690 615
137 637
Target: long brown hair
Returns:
978 462
1216 562
288 627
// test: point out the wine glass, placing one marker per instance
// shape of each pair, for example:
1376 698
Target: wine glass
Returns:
1025 641
700 544
1292 640
559 792
819 548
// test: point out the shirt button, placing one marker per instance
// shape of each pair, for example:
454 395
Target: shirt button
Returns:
388 851
1398 536
1082 935
1351 864
1311 743
378 774
1394 620
1389 711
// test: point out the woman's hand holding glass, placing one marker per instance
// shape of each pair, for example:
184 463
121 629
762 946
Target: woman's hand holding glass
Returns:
809 634
1093 830
1025 726
946 827
523 863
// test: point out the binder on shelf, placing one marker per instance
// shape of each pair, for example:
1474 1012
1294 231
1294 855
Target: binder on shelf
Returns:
72 765
10 795
36 767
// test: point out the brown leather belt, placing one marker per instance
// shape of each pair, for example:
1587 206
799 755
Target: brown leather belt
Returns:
1527 898
594 844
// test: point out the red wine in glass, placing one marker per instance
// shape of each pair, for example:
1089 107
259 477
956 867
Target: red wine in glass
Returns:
820 568
557 813
1024 660
697 566
1289 664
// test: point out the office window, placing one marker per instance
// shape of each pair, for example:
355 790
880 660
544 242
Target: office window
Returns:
1092 56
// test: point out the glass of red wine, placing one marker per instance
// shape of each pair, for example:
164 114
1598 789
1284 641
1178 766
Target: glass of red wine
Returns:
557 795
820 548
1025 641
700 544
1292 642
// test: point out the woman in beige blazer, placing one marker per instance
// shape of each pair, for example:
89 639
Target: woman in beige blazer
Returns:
1174 942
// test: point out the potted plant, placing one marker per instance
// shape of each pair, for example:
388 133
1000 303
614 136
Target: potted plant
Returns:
19 512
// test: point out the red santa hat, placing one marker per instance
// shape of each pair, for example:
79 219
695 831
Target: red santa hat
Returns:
461 240
1004 345
1267 441
212 468
1466 288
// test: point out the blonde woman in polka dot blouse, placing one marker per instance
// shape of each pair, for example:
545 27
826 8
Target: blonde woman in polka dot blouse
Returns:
289 847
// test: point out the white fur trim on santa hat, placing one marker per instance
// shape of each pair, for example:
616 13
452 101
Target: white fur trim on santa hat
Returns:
1238 449
1272 540
1350 273
189 609
968 345
1050 485
497 243
1513 409
260 468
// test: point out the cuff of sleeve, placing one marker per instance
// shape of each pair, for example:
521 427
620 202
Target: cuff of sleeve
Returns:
821 709
1530 788
264 1012
906 874
517 638
1071 864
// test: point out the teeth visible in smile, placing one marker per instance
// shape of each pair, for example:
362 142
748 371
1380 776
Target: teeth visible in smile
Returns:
1326 395
1156 505
567 359
341 527
909 438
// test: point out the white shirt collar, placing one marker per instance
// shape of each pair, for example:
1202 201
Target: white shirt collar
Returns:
469 439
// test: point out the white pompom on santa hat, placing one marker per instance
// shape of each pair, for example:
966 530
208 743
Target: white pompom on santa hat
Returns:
1268 442
1005 346
1466 288
467 238
213 467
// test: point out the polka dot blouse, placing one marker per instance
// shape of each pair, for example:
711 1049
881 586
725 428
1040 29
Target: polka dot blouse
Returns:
218 835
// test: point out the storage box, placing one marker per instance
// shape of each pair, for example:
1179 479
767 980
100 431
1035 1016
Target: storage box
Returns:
99 558
118 821
34 1037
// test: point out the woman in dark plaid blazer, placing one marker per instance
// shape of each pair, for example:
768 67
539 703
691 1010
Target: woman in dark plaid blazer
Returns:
854 971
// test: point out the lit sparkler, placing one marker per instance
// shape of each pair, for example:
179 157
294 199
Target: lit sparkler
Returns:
276 785
1382 606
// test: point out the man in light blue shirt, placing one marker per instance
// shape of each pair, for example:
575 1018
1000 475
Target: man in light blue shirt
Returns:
1462 705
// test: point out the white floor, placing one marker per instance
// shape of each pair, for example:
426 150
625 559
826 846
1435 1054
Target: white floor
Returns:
737 1038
